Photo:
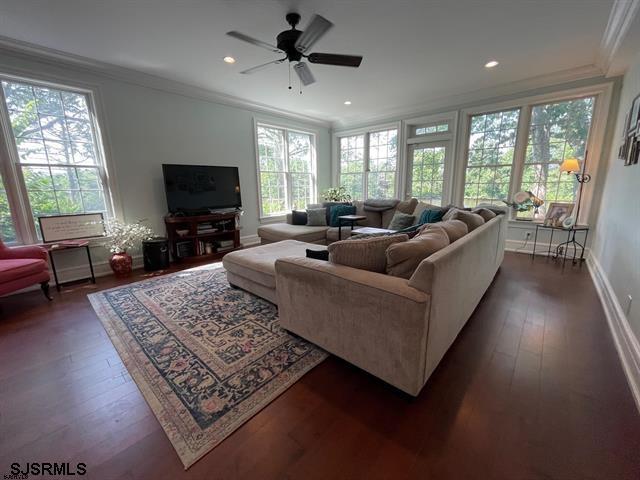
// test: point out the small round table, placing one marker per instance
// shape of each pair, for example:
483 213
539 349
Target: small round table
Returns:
352 219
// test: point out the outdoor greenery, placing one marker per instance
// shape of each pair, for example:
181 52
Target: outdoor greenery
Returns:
427 174
55 146
286 170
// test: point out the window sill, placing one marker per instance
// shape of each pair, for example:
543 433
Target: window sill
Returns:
273 219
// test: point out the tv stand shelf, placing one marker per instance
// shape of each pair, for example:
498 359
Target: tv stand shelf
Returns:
197 246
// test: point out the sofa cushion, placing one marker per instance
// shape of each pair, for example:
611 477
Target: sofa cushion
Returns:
473 220
332 233
401 221
258 263
338 211
406 206
403 258
275 232
14 269
485 213
298 217
316 217
455 229
365 253
374 219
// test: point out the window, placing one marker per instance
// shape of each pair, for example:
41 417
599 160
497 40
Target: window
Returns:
7 230
427 172
558 130
368 164
286 169
490 157
58 165
440 127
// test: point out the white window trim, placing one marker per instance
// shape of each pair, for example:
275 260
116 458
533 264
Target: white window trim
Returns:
366 131
451 117
601 92
26 230
257 122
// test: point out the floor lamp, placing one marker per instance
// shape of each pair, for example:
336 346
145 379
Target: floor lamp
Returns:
572 165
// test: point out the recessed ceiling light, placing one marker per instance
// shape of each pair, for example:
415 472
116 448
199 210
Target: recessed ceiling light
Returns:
347 102
229 60
491 64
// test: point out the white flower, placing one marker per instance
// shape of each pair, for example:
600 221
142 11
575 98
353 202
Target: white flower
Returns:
122 236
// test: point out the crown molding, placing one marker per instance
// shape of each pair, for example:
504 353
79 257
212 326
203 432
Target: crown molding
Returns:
622 14
452 101
54 57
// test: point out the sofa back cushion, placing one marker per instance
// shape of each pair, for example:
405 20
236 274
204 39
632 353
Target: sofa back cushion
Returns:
403 258
400 221
406 206
485 213
455 229
364 253
374 219
472 220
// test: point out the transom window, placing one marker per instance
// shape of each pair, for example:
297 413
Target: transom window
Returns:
558 130
490 159
58 161
440 127
368 164
286 169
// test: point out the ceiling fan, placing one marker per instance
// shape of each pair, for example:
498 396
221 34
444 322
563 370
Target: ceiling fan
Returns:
295 44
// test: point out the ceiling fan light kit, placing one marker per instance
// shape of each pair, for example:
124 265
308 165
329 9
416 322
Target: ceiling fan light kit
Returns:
295 44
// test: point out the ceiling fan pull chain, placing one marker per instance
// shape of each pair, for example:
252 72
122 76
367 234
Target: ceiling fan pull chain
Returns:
289 75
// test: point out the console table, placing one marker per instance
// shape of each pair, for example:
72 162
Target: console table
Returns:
564 246
68 245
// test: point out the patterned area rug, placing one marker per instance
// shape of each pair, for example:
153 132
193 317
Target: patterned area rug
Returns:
205 356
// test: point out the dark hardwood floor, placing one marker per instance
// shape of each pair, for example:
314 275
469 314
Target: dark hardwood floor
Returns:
532 389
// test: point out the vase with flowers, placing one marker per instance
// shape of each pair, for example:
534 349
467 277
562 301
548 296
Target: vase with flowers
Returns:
122 237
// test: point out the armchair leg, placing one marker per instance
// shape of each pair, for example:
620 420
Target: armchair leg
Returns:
45 289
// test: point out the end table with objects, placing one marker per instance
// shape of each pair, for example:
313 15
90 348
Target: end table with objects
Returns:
560 250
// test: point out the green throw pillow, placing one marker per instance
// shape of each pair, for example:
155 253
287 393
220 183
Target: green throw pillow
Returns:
338 211
316 217
401 221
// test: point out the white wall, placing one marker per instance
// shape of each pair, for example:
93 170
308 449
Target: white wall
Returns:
146 127
616 244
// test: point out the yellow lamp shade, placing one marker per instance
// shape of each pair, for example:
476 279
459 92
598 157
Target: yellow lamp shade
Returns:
570 165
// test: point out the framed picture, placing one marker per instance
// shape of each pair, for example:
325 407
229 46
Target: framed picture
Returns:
55 228
629 150
557 212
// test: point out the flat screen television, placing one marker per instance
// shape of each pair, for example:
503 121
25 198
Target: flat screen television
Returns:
193 189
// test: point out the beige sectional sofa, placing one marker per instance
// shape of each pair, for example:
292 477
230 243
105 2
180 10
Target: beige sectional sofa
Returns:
275 232
396 329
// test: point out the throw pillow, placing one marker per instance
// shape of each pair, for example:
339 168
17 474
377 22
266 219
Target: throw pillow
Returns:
316 217
431 215
421 207
338 211
298 217
365 254
485 213
318 254
403 258
455 229
473 220
329 205
406 206
400 221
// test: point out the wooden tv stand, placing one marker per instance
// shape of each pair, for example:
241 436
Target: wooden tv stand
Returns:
193 244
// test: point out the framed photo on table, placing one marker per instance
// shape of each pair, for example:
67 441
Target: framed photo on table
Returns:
557 212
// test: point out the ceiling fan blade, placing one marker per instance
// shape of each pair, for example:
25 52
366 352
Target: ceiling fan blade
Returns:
317 27
251 70
304 73
254 41
335 59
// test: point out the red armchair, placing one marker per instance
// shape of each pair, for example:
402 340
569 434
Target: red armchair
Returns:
21 267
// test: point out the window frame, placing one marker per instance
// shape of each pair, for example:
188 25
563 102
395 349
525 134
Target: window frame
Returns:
398 186
287 174
602 98
20 208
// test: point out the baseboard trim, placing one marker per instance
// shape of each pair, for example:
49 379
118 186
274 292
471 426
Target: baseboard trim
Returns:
250 240
623 337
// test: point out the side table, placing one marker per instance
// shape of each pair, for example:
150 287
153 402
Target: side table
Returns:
68 245
564 246
352 219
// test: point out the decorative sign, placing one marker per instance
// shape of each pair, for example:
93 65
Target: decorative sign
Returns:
71 227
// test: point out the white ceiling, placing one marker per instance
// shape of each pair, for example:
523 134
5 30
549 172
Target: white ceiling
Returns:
415 51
